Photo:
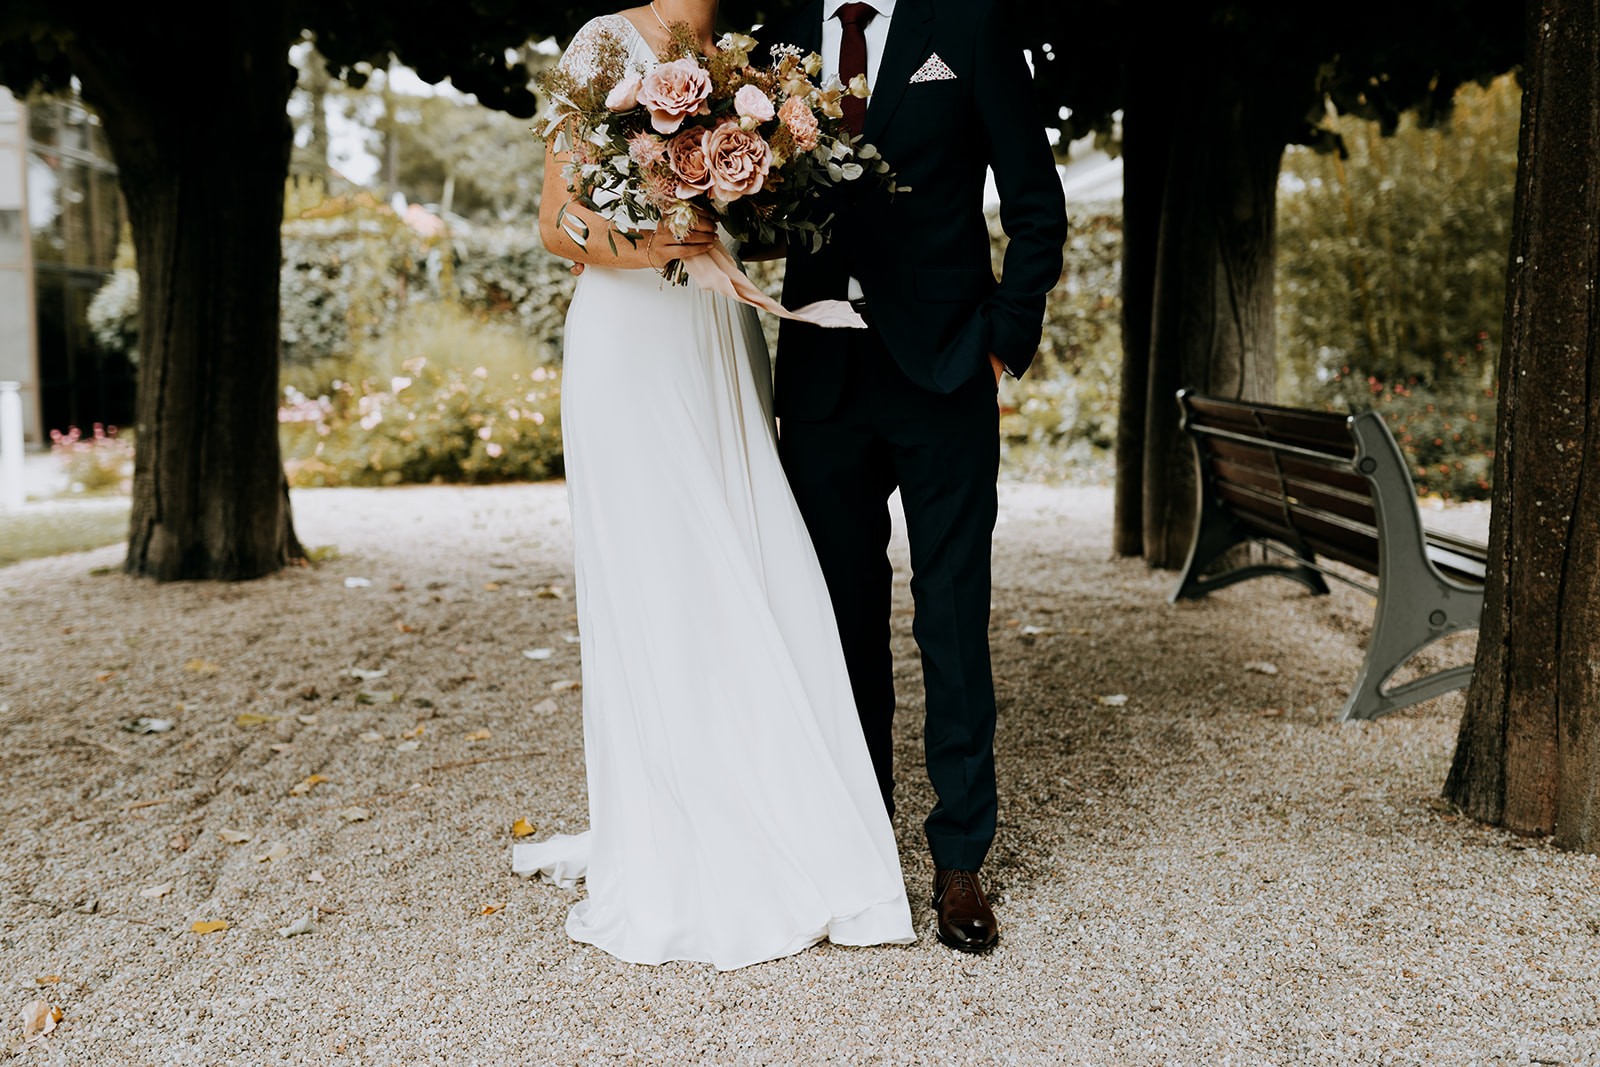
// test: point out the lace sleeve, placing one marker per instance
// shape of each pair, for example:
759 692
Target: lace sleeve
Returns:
579 58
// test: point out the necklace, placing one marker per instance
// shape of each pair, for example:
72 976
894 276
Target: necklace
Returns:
657 14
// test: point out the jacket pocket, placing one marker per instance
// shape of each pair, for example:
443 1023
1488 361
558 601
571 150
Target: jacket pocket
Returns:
953 284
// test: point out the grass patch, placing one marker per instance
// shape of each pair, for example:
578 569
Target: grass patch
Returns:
52 529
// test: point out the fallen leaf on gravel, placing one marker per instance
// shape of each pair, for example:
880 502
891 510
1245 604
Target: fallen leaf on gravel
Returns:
210 927
1261 667
306 720
1013 622
522 828
350 814
371 735
39 1017
378 696
47 979
321 553
1031 631
156 891
547 706
1115 700
421 702
572 639
281 746
305 785
565 685
251 718
357 583
478 735
276 852
200 666
304 925
178 843
316 876
538 653
417 732
403 628
147 726
492 907
408 746
1079 631
398 587
368 676
551 592
310 693
489 587
1267 712
105 676
233 837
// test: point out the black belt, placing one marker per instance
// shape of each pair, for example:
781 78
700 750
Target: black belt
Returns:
860 306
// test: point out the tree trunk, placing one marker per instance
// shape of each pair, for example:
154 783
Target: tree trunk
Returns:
1212 326
1146 148
1528 754
204 188
317 81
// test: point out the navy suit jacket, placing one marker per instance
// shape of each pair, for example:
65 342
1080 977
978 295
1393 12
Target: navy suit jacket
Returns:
922 256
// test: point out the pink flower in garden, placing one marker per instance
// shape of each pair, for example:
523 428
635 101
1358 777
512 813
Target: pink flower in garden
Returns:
752 103
674 91
687 158
624 95
802 124
738 161
646 148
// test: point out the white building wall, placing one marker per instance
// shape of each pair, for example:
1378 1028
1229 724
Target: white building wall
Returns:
18 345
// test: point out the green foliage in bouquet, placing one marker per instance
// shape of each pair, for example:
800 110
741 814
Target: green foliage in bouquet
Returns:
443 398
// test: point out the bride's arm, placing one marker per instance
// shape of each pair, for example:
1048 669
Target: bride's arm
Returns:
651 251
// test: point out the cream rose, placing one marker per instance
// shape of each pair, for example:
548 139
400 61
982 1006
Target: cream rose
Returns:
624 95
752 103
738 161
674 91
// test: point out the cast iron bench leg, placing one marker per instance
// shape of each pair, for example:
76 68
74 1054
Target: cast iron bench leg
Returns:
1416 604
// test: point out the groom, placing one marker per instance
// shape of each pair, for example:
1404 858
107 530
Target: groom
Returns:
909 403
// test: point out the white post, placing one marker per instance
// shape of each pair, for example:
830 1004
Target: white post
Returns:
11 492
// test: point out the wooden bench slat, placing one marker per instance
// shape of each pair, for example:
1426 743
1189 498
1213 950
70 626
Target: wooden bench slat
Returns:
1328 498
1321 431
1261 458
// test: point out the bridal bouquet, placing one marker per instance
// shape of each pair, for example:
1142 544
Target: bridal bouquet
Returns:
756 145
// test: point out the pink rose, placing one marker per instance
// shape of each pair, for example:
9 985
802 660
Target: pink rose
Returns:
752 103
674 91
801 123
625 94
738 160
687 158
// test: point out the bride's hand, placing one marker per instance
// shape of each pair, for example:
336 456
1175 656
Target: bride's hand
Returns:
662 248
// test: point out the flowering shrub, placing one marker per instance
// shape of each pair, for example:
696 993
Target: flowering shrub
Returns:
99 463
1446 433
446 400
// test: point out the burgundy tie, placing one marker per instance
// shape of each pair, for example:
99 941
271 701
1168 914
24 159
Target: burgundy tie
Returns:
853 60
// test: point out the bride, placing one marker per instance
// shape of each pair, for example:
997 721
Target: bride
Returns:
734 812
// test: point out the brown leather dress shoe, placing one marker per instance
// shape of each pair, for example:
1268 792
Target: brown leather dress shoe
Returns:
965 919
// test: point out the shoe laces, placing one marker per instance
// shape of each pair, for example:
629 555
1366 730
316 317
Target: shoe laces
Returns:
962 882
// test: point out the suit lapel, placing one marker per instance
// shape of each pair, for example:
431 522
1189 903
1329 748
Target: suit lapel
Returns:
807 28
909 30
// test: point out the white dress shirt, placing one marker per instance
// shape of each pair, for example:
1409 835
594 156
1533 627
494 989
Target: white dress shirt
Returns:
877 34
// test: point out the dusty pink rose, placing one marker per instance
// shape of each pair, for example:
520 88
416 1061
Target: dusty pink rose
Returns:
801 123
738 160
625 94
674 91
752 103
645 148
687 158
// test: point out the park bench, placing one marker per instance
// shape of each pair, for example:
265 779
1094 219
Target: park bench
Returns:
1306 485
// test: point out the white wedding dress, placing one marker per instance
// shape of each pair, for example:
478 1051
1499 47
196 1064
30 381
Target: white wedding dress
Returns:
734 815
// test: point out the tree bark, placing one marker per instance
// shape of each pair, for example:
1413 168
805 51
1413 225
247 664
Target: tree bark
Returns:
1528 753
1212 325
1146 148
204 187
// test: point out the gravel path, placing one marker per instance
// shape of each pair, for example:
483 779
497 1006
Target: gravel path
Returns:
1213 872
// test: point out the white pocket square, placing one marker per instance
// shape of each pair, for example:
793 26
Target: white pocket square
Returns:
934 70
